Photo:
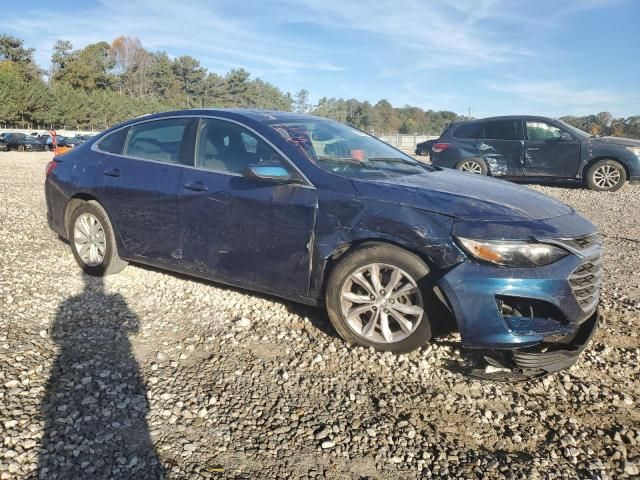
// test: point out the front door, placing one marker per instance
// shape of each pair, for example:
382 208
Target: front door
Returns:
238 229
501 146
140 172
550 151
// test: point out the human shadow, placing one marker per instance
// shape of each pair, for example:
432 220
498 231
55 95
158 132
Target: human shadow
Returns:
95 405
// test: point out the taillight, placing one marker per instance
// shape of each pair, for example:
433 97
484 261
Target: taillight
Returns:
50 166
440 147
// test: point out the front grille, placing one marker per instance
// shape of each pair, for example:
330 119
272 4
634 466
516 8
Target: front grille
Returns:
582 243
585 283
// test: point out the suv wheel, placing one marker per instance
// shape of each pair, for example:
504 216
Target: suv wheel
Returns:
606 176
375 298
473 165
92 240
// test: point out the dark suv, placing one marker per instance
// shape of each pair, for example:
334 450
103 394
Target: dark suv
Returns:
538 148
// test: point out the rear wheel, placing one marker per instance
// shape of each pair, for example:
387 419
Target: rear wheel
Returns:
92 240
606 176
473 165
376 298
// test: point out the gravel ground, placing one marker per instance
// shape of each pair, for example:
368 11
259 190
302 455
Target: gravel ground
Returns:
151 374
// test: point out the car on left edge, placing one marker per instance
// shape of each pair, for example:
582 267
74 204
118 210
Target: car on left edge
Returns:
21 142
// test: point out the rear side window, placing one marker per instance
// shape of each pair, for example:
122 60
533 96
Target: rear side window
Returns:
468 130
114 143
503 130
159 140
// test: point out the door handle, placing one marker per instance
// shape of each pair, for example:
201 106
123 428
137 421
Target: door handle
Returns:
530 149
113 172
196 186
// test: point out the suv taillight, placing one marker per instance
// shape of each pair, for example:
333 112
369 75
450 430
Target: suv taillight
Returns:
50 166
440 147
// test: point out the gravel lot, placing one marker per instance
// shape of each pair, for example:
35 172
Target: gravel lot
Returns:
150 373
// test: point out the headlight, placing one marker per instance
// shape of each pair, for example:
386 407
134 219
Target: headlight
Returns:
634 150
513 253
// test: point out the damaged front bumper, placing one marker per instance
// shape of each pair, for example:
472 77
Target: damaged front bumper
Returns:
527 319
547 358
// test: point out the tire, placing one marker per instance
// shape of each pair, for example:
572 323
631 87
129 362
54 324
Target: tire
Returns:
109 262
606 176
351 325
473 165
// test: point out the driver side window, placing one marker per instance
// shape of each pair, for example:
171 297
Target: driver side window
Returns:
540 131
230 148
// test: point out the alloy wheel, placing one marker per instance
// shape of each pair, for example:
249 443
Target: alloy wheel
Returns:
381 303
606 177
471 166
89 239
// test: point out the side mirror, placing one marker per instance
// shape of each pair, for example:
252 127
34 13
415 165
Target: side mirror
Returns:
565 137
267 174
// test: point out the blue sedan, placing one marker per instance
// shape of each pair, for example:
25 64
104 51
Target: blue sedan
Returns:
321 213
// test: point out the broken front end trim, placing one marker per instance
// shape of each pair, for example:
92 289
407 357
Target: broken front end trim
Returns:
546 358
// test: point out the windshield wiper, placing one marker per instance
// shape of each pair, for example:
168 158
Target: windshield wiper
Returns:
425 166
389 159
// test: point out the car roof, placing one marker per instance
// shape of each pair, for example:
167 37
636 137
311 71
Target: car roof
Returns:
503 117
264 116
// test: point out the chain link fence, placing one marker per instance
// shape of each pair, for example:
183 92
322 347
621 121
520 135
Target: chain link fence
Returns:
406 142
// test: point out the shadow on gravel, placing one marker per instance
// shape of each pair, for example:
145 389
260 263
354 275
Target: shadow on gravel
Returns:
95 404
570 184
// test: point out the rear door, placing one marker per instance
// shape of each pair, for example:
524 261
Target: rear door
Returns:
551 151
140 175
236 228
502 147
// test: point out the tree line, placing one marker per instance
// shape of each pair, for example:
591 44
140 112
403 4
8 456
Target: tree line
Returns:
605 124
105 83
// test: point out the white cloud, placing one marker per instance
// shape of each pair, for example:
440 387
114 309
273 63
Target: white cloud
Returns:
564 95
193 27
440 33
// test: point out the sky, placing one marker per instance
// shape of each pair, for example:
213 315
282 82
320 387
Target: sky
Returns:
545 57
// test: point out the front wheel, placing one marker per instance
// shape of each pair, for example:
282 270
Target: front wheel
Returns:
376 297
606 176
473 165
93 242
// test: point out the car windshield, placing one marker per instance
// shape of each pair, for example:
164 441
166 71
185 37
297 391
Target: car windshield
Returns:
346 151
575 130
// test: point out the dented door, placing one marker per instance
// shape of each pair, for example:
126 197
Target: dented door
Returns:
501 146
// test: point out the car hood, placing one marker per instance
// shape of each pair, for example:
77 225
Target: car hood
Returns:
464 196
625 142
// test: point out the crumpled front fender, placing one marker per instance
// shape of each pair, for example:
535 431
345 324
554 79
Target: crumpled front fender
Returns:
343 221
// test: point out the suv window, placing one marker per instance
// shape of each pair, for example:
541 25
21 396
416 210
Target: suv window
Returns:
540 130
159 140
502 130
467 130
114 142
227 147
